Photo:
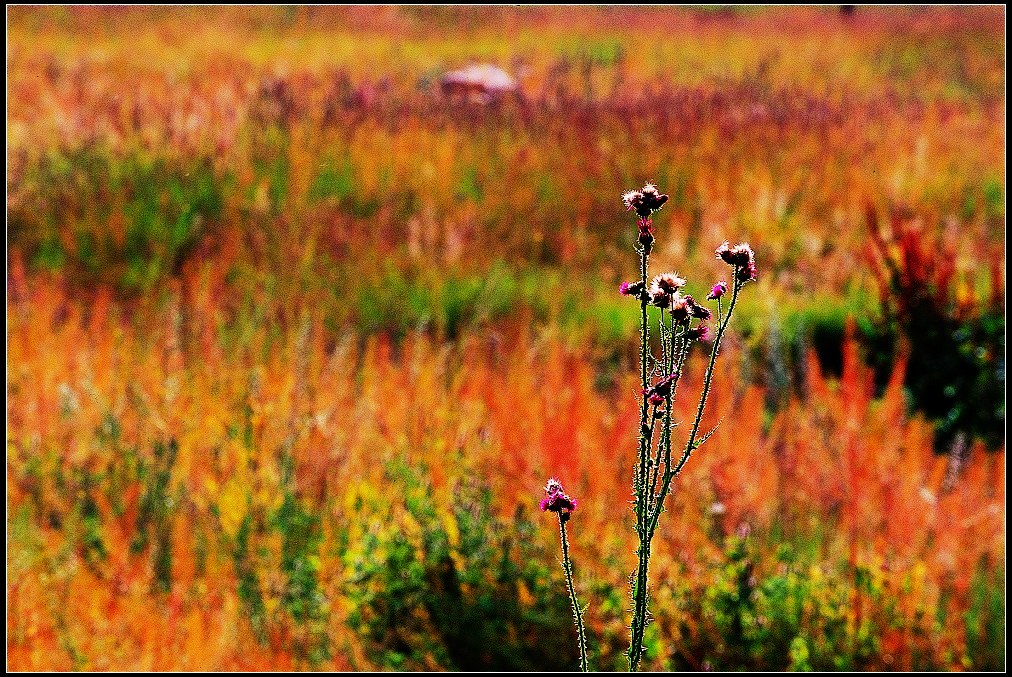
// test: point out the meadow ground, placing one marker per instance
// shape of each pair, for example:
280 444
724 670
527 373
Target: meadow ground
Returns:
294 339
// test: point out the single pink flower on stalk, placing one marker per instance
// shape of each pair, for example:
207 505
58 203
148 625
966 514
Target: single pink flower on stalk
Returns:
557 500
718 290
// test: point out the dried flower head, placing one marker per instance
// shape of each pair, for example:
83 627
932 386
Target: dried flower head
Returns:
719 289
668 283
748 272
679 308
644 201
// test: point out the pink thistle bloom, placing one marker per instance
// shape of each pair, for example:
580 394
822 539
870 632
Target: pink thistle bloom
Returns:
557 500
631 289
659 389
718 290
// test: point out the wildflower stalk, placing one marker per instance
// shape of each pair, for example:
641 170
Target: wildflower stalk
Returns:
640 586
676 340
556 500
577 613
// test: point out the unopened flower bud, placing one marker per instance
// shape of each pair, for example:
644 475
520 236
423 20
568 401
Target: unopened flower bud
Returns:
719 289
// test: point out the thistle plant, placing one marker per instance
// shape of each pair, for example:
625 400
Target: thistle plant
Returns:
682 321
558 502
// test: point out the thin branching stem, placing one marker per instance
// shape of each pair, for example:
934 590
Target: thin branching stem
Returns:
671 473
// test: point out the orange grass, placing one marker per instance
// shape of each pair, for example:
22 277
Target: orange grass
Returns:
210 408
511 411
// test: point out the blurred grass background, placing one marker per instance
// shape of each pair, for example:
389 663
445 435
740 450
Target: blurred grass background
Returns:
294 339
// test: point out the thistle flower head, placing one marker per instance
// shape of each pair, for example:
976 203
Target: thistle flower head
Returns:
719 289
644 201
668 283
664 289
657 392
660 298
630 198
741 257
556 499
679 307
631 289
701 332
696 310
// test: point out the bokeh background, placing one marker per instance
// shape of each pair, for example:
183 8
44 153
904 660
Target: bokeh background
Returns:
296 333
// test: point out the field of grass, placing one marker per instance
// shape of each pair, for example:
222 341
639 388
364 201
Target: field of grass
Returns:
294 341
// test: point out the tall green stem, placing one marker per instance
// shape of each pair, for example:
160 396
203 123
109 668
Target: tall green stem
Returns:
639 488
642 476
647 529
577 612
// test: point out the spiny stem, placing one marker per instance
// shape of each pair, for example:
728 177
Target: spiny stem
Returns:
577 612
640 475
